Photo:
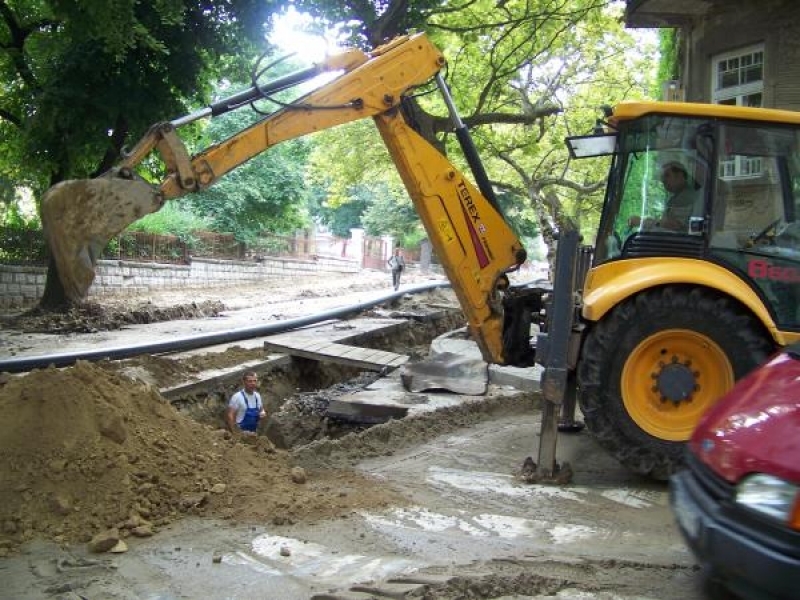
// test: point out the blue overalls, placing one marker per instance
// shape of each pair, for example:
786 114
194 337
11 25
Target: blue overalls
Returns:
250 420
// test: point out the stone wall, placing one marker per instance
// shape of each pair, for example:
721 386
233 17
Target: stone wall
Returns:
21 287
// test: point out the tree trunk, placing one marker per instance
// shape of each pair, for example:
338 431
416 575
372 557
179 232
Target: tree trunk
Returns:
54 298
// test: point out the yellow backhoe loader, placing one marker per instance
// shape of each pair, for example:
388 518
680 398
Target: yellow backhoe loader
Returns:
467 231
694 273
646 328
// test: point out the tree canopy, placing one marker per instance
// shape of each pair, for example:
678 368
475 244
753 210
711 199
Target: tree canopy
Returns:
267 193
83 78
523 75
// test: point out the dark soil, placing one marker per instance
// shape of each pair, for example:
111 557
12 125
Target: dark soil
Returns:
92 317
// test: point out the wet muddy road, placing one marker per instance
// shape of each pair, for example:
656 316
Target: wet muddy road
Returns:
461 526
467 529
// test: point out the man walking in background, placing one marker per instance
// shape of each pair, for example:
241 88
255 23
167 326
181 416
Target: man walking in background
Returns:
396 263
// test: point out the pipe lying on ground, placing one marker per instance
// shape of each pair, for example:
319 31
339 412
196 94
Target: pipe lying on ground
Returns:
28 363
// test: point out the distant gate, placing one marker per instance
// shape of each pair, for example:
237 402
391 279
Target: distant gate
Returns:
375 253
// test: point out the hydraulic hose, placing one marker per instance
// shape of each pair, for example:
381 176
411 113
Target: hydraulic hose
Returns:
23 364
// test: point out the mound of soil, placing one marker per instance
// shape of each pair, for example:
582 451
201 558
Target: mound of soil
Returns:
85 450
91 317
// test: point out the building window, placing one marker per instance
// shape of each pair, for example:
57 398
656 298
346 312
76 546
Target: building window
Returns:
739 77
738 80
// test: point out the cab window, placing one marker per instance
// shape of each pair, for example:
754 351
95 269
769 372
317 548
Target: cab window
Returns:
660 181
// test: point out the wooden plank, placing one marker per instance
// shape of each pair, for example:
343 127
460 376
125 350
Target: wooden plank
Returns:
378 356
386 358
343 351
400 360
310 345
322 344
219 377
365 358
287 346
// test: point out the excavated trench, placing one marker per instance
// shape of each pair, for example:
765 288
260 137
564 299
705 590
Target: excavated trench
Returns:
296 395
445 501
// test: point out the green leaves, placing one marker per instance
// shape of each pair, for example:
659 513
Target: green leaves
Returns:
524 75
87 77
268 193
84 78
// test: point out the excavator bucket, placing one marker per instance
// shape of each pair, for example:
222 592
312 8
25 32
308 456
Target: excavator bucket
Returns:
80 216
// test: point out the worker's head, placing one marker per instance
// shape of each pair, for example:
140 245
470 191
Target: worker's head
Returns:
397 251
673 176
250 381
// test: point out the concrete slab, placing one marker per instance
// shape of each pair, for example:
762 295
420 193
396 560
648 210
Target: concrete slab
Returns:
365 408
524 379
441 389
456 342
446 370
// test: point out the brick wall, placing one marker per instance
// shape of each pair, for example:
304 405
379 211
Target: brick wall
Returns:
21 287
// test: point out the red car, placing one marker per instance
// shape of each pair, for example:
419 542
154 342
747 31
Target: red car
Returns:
737 503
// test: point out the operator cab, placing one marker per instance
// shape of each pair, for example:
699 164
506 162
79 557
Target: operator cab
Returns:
706 182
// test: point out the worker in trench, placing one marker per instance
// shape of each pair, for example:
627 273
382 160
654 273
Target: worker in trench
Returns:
245 407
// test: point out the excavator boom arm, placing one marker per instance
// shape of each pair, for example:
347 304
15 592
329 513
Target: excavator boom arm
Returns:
471 238
368 87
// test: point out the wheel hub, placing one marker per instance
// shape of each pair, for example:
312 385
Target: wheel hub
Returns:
670 379
676 381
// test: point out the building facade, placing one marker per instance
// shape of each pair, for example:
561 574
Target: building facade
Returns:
741 52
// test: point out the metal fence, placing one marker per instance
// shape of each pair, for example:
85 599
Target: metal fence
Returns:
207 244
27 247
147 247
271 244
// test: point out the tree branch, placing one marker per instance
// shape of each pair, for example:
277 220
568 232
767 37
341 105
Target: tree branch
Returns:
11 118
15 46
444 125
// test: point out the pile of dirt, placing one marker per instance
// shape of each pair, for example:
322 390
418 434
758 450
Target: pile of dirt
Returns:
91 317
378 440
85 450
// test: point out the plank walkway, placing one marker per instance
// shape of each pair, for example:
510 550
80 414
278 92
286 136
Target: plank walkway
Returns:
330 351
321 342
324 343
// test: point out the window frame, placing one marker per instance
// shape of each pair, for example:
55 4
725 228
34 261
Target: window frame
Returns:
739 167
738 92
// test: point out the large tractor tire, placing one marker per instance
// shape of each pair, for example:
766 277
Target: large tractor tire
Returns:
655 363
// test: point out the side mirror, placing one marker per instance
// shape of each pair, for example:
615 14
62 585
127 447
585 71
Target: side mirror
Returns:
587 146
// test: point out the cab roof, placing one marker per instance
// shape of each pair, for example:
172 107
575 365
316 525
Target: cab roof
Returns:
625 111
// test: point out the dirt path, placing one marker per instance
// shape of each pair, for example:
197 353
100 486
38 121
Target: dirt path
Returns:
165 315
427 507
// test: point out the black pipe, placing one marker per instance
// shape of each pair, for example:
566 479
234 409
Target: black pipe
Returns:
468 147
255 93
22 364
249 95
